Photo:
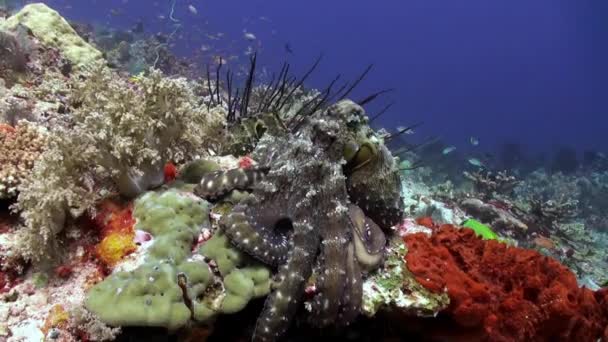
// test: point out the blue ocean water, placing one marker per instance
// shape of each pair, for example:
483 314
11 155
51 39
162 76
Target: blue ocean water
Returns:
527 72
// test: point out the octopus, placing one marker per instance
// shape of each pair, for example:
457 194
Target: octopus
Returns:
317 211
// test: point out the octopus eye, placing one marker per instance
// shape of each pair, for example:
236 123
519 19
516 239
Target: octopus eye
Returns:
350 151
366 153
260 129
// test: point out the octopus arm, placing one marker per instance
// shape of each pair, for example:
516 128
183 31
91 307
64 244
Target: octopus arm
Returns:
219 183
368 240
331 280
258 242
282 304
353 292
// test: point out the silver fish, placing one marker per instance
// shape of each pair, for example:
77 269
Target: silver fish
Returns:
448 150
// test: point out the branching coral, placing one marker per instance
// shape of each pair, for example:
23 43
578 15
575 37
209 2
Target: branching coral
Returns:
550 212
19 148
122 131
490 184
137 127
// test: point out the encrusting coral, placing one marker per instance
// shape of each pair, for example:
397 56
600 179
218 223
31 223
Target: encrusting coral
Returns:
20 146
503 293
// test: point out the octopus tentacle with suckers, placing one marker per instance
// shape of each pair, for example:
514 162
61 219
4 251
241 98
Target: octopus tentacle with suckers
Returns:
311 213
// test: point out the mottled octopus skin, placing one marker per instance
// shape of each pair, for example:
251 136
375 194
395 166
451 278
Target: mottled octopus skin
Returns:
330 238
219 183
384 205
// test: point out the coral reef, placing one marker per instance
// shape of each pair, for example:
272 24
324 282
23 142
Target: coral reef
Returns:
121 138
176 207
137 128
503 293
392 287
13 57
489 184
549 212
20 146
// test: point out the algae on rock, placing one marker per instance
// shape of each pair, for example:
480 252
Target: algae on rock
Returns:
393 287
53 30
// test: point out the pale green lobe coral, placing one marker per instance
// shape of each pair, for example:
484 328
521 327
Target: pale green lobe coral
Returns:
244 278
173 286
148 296
151 295
53 30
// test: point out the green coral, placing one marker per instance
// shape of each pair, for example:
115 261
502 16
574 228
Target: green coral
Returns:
244 278
153 294
480 229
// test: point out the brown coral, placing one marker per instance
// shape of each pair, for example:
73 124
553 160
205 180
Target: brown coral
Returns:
19 149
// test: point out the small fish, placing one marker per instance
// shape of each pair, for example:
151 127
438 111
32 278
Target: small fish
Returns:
138 27
192 9
474 141
288 49
249 36
249 51
476 162
448 150
219 60
115 12
404 130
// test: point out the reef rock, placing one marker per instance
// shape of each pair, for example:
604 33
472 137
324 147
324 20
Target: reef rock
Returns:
497 218
53 30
